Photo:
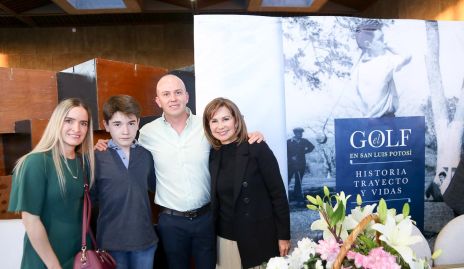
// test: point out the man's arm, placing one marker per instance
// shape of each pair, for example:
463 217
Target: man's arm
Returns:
308 146
405 58
102 145
255 137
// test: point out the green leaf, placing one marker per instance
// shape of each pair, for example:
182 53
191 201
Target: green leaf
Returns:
312 207
406 210
359 200
364 244
326 191
382 210
338 215
319 200
311 199
329 210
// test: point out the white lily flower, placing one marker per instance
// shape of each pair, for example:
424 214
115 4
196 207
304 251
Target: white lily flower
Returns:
343 198
322 225
398 236
358 214
399 217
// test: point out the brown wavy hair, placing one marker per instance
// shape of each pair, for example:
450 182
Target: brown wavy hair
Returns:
211 108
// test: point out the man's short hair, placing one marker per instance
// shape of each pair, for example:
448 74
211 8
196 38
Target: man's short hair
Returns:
125 104
369 25
365 31
298 130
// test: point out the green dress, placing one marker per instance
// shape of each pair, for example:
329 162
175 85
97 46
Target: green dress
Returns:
38 192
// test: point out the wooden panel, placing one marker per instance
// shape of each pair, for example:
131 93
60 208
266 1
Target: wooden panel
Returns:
5 188
2 159
96 80
356 4
100 134
136 80
25 94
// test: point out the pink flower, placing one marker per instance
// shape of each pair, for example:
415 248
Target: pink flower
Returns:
328 249
377 259
359 259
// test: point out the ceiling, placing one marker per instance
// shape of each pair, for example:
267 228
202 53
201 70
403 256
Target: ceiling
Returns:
56 13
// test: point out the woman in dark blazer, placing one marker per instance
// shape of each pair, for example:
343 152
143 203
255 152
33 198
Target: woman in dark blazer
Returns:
247 192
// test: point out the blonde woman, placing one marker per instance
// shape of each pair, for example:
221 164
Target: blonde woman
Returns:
47 187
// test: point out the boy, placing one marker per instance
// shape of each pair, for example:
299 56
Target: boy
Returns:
123 175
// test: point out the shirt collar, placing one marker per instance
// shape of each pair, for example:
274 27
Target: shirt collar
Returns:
113 145
189 113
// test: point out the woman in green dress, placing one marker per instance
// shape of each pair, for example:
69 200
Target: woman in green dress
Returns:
47 188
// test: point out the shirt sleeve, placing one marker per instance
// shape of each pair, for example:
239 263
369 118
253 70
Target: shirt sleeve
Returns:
29 186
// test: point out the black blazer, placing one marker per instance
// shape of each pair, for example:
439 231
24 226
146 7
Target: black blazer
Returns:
261 213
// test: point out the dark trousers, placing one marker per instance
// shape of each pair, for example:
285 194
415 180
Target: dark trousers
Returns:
297 191
184 238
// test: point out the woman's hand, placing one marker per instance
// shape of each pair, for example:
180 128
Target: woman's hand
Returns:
284 247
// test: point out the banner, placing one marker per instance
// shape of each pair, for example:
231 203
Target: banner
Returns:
382 158
304 81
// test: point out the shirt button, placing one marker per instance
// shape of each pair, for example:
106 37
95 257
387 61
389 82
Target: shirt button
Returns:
246 200
245 184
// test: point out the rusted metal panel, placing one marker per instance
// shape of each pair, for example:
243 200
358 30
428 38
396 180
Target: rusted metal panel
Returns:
5 188
25 94
96 80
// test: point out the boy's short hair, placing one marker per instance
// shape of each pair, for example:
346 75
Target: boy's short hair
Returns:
125 104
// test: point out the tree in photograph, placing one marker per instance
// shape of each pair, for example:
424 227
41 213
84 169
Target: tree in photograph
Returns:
448 123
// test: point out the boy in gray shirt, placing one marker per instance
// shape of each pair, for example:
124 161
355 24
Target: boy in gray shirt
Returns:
123 176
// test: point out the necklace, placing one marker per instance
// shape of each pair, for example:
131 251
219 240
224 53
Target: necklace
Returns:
69 170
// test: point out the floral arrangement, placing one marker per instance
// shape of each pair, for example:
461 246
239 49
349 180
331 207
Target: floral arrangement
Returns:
363 239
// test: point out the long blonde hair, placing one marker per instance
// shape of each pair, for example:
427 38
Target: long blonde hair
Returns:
52 140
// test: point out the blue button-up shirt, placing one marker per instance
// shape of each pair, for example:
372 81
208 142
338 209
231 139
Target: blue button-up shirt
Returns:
120 152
